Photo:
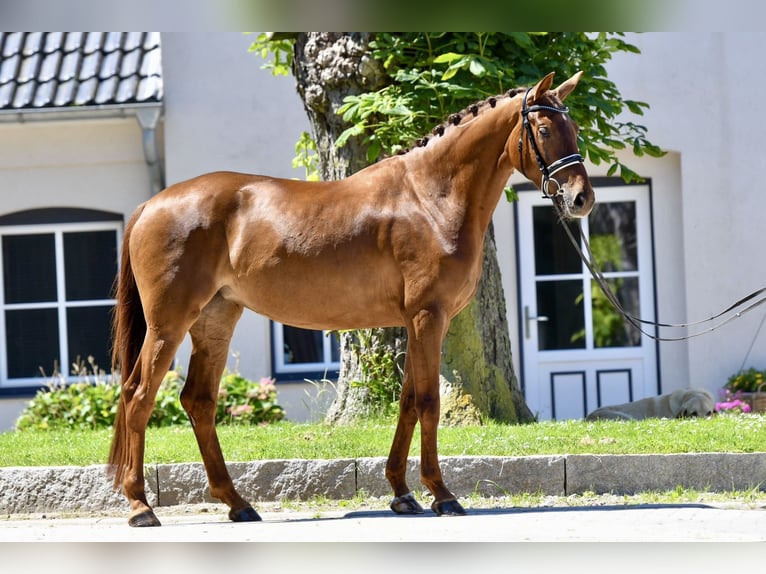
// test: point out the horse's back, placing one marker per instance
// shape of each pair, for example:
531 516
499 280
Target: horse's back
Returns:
301 253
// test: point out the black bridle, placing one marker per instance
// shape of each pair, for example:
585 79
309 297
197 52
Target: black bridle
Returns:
547 170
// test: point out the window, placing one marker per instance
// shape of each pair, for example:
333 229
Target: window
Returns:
56 298
304 353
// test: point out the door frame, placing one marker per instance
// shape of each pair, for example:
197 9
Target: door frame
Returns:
604 183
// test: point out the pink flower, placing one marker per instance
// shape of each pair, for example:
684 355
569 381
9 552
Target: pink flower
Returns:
734 405
239 410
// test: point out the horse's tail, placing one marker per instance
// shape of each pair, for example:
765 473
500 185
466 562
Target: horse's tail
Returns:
128 332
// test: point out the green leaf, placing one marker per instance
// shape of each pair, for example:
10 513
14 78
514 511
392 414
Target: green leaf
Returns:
355 130
511 195
447 58
477 68
450 73
373 152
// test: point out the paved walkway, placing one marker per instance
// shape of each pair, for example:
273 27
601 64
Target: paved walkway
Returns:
645 523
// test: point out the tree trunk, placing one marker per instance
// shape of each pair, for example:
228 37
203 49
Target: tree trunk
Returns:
329 67
477 350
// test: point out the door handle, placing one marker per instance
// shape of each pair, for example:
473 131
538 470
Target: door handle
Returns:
528 319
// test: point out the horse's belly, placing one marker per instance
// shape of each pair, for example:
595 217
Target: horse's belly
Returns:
331 302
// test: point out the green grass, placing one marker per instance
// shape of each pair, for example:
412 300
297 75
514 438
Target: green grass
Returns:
724 433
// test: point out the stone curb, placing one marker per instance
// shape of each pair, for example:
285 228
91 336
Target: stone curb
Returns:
78 489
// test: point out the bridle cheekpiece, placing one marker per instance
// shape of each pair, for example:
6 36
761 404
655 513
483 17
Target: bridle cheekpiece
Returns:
558 165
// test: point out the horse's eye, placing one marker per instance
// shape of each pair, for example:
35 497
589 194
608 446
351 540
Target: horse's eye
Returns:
543 131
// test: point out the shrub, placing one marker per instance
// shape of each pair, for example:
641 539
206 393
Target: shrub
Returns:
746 381
243 401
92 403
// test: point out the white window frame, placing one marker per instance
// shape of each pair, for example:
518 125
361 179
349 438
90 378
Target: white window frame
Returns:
60 304
283 368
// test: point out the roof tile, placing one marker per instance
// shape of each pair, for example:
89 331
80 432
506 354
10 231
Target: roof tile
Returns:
65 93
53 41
93 42
110 65
44 94
9 69
24 95
106 90
90 65
70 66
6 95
127 88
113 41
50 67
29 68
62 69
12 44
132 41
86 92
74 41
33 44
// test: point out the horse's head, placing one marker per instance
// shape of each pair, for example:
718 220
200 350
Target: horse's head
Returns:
547 150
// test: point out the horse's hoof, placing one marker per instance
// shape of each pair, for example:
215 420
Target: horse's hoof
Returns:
447 508
246 514
406 504
145 518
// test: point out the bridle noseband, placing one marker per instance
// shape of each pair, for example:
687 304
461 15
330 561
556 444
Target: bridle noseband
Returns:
558 165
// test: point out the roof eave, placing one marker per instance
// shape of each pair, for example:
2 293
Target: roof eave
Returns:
107 111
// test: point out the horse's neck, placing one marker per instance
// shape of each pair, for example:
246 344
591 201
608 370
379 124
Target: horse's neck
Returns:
467 168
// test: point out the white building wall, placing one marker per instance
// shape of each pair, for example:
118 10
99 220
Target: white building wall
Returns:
223 112
704 90
92 164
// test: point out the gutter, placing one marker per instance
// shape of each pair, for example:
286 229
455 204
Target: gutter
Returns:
148 116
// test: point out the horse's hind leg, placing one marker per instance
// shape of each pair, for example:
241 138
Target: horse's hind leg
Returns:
211 335
140 390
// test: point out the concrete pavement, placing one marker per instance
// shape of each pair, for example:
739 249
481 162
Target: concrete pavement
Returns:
642 523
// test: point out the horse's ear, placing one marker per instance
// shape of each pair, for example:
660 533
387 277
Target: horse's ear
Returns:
542 86
566 88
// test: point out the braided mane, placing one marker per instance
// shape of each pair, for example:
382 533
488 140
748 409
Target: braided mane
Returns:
455 119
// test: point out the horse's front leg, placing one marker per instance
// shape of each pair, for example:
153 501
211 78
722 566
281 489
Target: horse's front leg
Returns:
396 467
429 328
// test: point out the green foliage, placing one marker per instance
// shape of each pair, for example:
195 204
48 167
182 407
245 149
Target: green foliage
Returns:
306 157
381 373
746 381
92 403
79 406
278 53
241 401
608 322
434 74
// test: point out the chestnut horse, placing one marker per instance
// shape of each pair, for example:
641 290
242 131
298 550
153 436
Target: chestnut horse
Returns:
398 243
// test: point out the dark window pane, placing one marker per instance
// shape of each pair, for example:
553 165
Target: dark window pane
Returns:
88 333
302 345
561 303
29 268
610 329
554 252
32 342
90 259
613 237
